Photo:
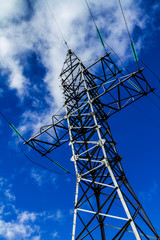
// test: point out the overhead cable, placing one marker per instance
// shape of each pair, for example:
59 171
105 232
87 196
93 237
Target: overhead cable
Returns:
154 102
47 169
131 42
62 36
103 44
150 70
97 29
135 55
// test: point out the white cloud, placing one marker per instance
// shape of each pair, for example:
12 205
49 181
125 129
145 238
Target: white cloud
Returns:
16 223
14 230
8 10
36 238
55 235
26 216
37 177
9 195
152 191
2 181
20 226
5 47
71 211
41 177
6 188
59 215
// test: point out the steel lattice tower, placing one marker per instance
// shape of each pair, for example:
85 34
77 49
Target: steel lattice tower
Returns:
106 207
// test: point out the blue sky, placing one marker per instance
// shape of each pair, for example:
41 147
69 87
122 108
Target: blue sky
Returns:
37 204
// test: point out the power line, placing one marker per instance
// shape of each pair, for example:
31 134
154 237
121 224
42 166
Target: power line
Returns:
51 11
132 43
135 55
153 74
91 14
125 20
97 29
103 39
156 95
47 169
101 36
141 111
150 70
133 49
153 102
103 42
116 56
5 118
128 71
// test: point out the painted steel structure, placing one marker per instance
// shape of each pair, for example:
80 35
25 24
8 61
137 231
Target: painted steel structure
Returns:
106 207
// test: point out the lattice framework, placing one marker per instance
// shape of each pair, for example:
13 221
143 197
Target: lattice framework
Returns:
92 94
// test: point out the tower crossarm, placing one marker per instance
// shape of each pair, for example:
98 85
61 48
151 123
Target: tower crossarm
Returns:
50 136
105 82
120 92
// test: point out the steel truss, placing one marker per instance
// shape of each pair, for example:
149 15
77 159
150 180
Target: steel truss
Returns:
106 207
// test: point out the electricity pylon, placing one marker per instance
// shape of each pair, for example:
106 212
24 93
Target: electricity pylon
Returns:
106 207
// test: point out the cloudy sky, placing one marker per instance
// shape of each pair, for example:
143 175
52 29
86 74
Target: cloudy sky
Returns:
37 204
